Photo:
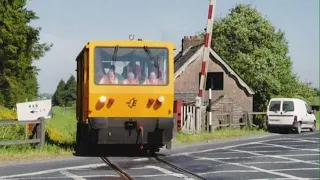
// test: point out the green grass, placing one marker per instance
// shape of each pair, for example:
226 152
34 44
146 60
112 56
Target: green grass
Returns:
20 153
62 126
61 130
60 137
183 138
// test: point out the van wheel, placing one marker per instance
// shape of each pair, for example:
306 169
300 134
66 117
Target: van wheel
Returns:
314 126
271 129
298 128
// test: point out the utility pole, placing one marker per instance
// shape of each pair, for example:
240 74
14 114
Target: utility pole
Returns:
206 51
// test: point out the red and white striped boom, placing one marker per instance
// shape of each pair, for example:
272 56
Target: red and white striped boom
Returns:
207 45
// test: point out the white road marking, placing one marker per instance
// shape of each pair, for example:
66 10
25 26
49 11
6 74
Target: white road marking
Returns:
258 146
264 156
54 170
293 155
313 138
230 171
252 167
276 162
276 156
261 151
238 145
93 176
220 153
141 159
285 179
297 169
290 140
70 175
300 145
165 171
253 171
280 151
209 150
286 147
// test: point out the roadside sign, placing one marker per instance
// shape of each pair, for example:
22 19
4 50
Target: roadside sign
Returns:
28 111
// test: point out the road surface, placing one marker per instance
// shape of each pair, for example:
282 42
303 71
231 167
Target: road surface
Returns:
274 156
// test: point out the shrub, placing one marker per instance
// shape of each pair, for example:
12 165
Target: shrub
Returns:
10 132
6 113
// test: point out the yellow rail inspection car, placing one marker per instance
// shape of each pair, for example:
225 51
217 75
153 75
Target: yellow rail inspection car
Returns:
125 94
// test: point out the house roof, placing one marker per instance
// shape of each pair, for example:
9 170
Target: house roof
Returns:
182 61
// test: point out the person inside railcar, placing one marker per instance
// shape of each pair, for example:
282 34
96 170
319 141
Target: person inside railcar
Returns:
110 79
153 79
117 75
99 70
158 71
132 67
131 79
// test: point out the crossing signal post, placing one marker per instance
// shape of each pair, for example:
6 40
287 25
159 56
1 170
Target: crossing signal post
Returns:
208 37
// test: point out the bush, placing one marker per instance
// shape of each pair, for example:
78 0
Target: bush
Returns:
6 113
57 137
10 132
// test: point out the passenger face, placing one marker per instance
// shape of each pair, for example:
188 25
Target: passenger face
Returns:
111 74
131 76
153 75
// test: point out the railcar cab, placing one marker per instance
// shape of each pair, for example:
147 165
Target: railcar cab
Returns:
122 86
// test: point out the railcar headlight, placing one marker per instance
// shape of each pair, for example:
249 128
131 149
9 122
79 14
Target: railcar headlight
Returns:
103 99
161 99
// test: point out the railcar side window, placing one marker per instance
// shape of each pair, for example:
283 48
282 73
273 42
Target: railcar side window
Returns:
274 106
287 106
131 66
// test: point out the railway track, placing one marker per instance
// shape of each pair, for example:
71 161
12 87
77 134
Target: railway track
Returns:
122 174
126 176
178 168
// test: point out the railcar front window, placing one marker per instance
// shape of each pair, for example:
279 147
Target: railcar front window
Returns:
131 66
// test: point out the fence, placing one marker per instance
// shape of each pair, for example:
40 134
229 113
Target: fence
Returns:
192 119
38 132
195 120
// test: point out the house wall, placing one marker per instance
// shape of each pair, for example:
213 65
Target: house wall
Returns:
188 83
224 106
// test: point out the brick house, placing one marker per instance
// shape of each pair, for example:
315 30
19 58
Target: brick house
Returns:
230 92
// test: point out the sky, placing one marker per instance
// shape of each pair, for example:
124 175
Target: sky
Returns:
70 24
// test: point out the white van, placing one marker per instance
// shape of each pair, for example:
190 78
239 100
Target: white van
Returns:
290 113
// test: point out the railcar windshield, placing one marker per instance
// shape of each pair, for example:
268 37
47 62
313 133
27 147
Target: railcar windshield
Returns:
131 66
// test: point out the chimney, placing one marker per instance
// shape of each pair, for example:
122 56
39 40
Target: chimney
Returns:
190 41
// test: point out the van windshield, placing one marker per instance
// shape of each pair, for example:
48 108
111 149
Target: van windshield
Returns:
287 106
275 106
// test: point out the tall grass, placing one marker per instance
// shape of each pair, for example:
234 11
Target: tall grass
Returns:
60 137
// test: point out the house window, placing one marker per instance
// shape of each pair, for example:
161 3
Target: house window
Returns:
214 80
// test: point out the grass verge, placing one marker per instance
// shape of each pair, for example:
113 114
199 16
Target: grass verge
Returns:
60 137
21 153
222 134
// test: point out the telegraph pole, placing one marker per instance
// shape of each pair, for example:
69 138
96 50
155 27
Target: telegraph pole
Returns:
206 51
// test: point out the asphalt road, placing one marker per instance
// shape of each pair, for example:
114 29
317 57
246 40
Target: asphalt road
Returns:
274 156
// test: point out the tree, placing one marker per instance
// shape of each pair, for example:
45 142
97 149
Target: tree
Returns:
66 92
258 53
58 98
70 90
19 47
